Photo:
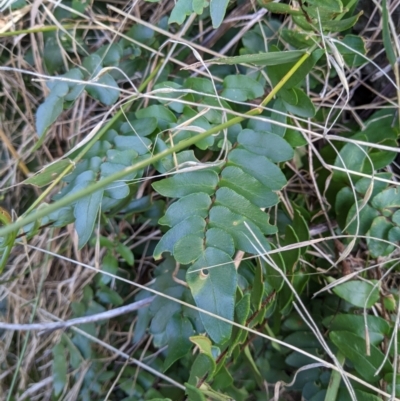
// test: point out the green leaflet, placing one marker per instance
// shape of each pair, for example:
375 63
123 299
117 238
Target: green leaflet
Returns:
193 204
241 88
178 331
182 184
259 167
266 143
353 347
212 280
85 212
359 293
244 184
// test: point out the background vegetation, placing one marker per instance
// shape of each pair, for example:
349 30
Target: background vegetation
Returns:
199 200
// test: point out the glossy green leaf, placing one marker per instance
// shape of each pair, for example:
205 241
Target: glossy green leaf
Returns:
240 205
241 88
52 107
221 217
178 331
267 144
59 369
126 253
188 249
108 296
354 348
217 238
357 43
217 11
304 106
387 199
380 229
279 114
204 344
378 328
341 25
259 167
141 127
192 225
182 184
213 289
196 204
359 293
182 9
246 185
109 264
86 212
48 174
140 145
389 380
164 116
105 90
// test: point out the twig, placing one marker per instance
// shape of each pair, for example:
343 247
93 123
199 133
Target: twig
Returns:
80 320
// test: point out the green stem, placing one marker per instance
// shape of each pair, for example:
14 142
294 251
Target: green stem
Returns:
71 198
49 28
335 380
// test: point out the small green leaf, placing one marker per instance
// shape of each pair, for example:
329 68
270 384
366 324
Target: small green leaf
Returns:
221 217
48 174
212 280
109 264
182 184
217 238
108 296
217 11
246 185
182 9
85 212
353 347
178 331
359 293
204 344
164 116
59 368
267 144
380 229
259 167
196 204
240 205
387 199
341 25
52 107
241 88
192 225
304 107
107 94
279 114
350 57
126 253
188 249
378 328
